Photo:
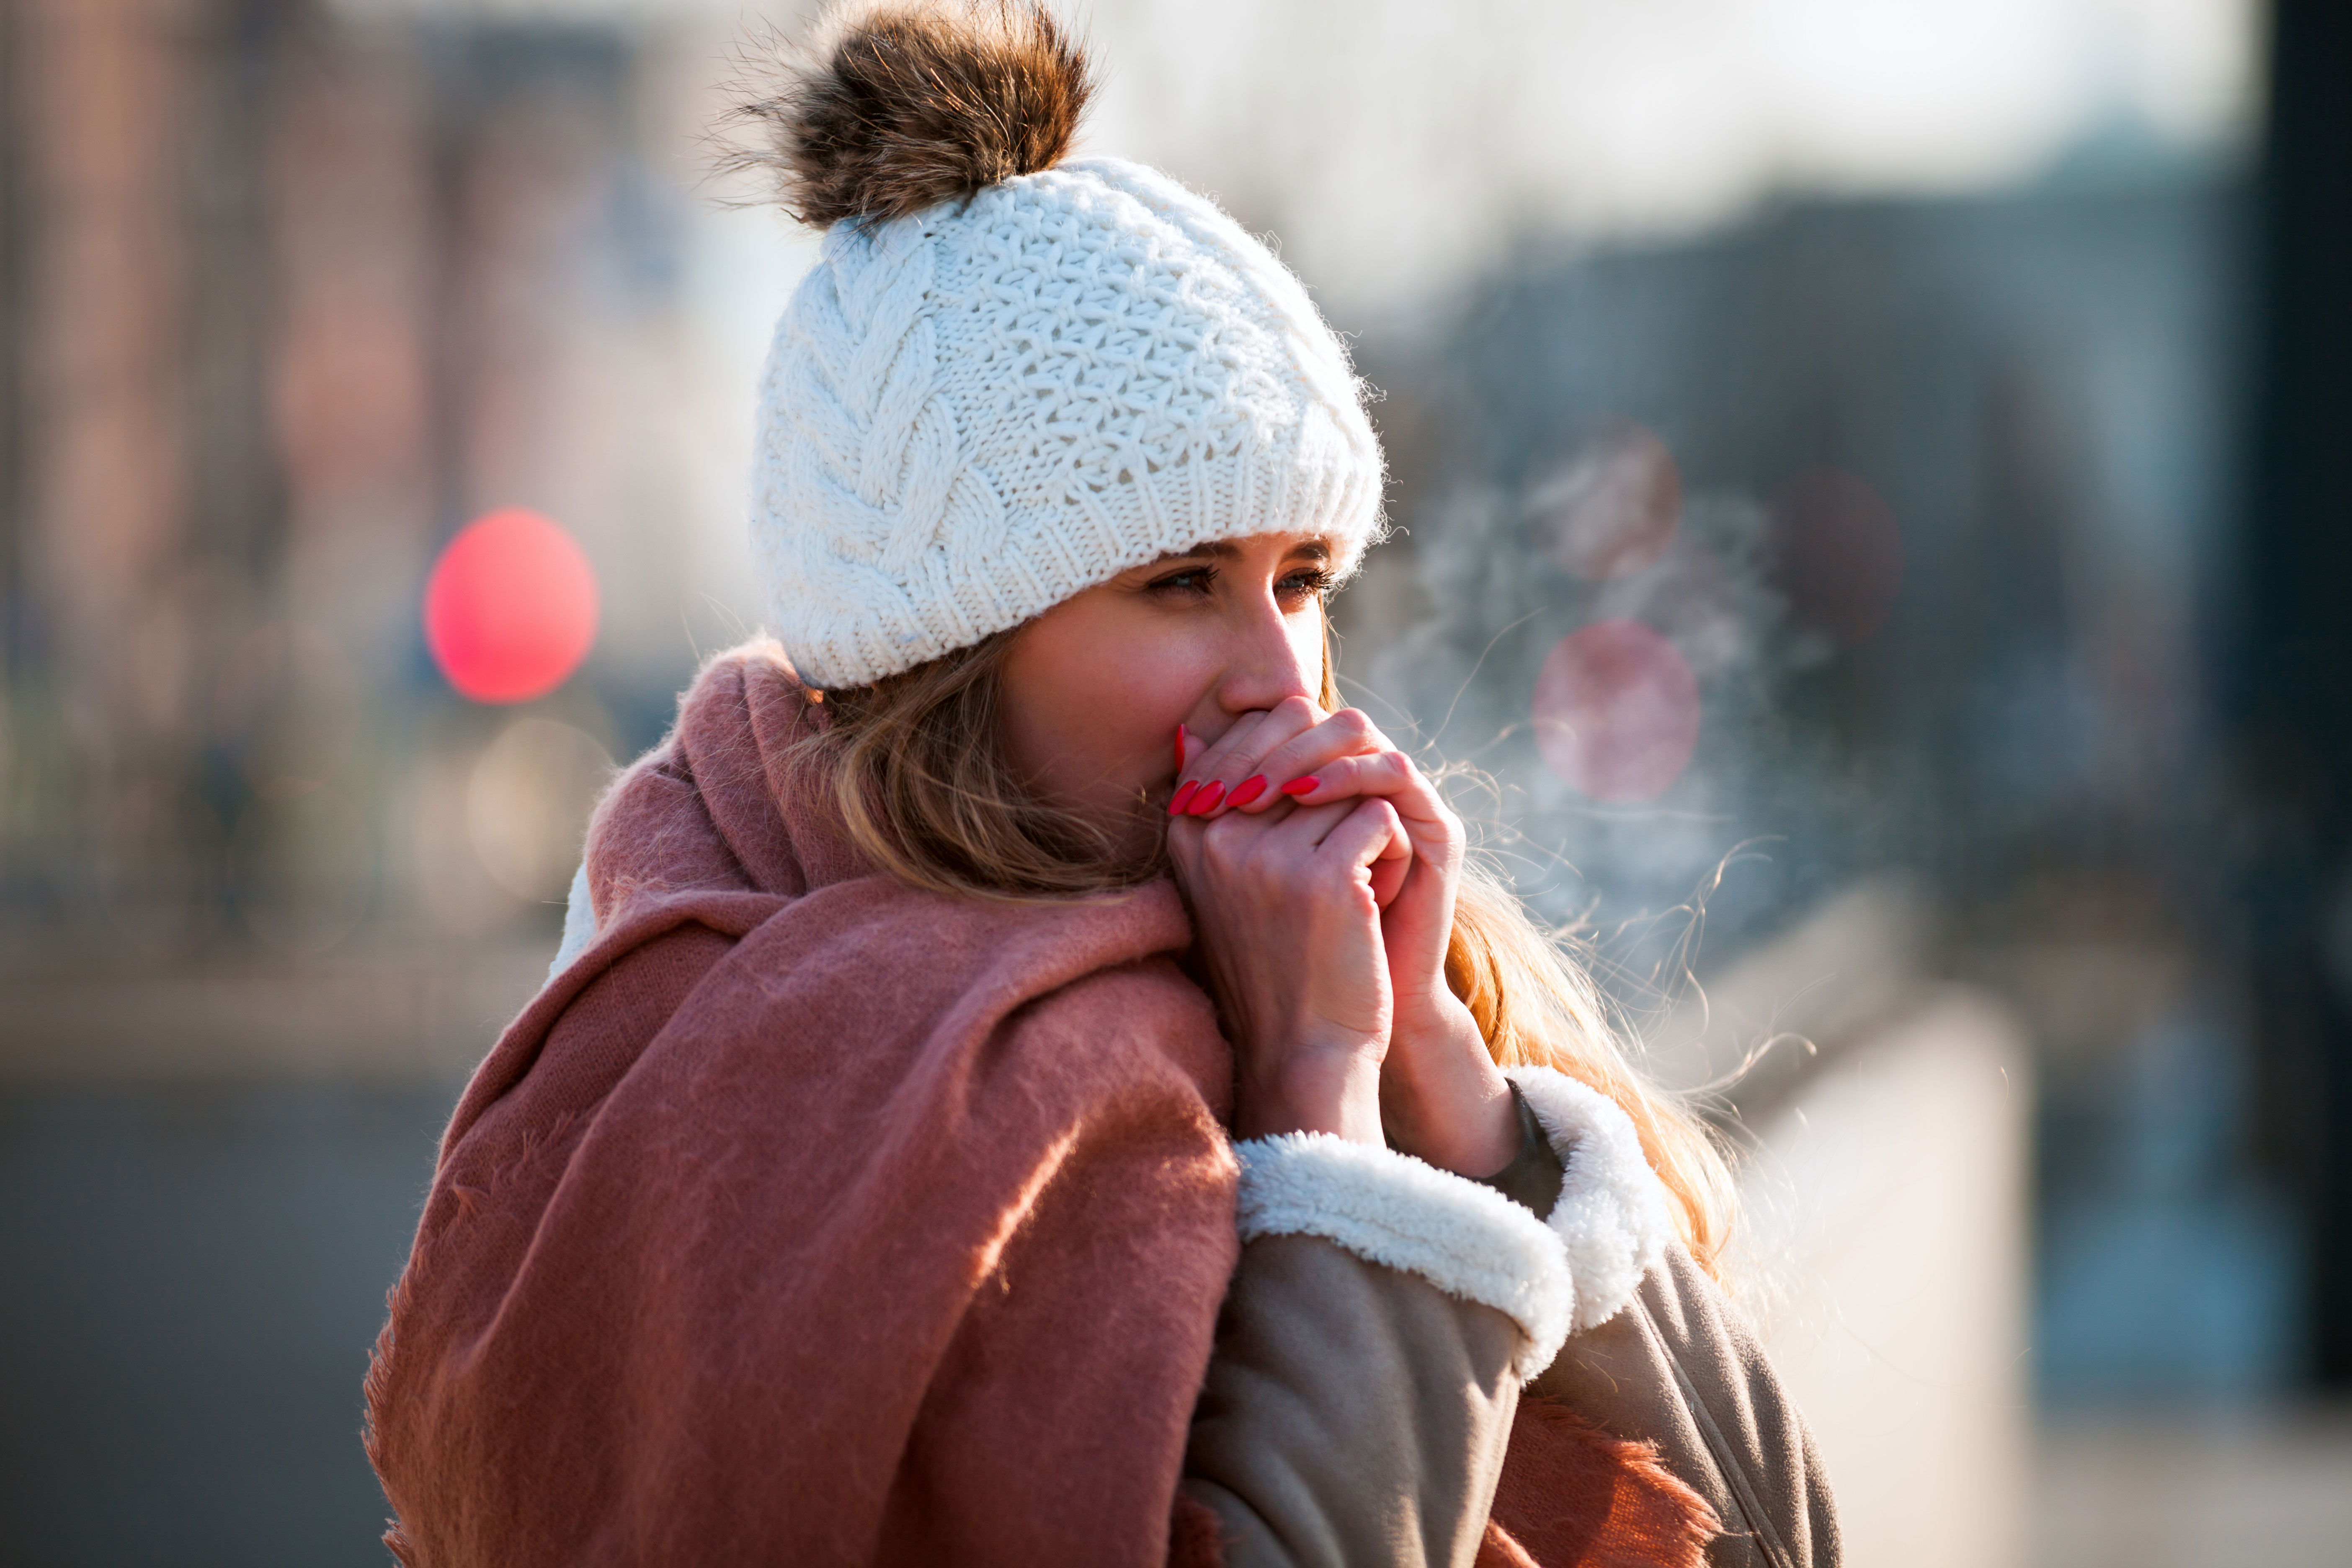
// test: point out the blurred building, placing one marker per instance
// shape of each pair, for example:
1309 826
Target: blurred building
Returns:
296 297
1933 503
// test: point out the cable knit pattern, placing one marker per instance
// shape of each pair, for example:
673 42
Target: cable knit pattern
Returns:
971 414
1612 1216
1469 1241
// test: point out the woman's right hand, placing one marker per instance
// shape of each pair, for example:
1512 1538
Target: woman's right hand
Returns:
1288 927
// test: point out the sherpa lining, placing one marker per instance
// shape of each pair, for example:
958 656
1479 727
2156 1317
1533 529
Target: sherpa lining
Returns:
1611 1216
1392 1209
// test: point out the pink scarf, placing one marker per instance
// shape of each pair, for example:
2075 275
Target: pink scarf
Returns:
808 1217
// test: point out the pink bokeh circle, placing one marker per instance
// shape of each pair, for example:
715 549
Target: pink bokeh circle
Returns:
510 607
1616 711
1836 553
1611 510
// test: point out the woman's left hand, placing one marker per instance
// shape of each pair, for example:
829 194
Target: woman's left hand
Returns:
1442 1097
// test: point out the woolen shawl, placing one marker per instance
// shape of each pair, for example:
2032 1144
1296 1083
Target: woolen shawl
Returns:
809 1217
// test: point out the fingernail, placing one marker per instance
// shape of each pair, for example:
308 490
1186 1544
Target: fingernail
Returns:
1184 797
1249 790
1180 748
1206 801
1307 786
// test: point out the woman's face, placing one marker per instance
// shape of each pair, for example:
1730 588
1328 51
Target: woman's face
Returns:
1094 689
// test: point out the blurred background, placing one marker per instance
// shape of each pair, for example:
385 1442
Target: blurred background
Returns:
1871 507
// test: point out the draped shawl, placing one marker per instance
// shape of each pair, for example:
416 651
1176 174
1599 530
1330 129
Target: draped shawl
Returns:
808 1217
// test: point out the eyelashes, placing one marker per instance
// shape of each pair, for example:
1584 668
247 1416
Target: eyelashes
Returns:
1308 583
1191 580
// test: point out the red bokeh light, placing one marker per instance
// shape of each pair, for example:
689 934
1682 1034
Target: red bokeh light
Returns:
511 608
1616 711
1836 553
1611 510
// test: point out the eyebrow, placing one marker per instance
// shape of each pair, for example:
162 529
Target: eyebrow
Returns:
1316 549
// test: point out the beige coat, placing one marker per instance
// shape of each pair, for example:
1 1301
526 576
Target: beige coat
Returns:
1357 1415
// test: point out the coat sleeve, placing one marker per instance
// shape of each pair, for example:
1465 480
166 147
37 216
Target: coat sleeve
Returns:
1680 1370
1360 1398
1369 1357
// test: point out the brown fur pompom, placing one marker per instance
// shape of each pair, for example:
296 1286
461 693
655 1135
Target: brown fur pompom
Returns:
897 105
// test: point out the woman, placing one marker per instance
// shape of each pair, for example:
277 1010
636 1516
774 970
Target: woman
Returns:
1045 1085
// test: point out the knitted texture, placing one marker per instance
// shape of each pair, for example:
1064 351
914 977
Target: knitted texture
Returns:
971 414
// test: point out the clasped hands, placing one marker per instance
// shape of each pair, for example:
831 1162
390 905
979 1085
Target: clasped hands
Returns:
1321 867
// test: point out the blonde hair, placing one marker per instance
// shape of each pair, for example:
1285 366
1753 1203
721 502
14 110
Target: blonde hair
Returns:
915 768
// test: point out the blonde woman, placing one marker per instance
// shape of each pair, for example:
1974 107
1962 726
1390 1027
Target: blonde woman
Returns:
1031 1078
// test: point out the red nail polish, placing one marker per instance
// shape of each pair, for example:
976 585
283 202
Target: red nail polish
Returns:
1249 790
1183 798
1307 786
1180 748
1206 801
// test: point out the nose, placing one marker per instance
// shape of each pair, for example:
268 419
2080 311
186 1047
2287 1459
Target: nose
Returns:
1269 656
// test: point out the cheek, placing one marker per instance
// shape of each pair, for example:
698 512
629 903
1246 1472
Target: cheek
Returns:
1090 713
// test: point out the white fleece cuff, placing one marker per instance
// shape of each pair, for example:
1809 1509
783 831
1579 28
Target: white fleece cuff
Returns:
579 924
1612 1215
1469 1241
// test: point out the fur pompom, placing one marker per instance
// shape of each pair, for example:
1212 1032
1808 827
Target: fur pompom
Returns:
897 105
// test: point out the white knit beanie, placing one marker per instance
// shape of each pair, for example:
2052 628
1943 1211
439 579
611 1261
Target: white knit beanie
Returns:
1009 378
